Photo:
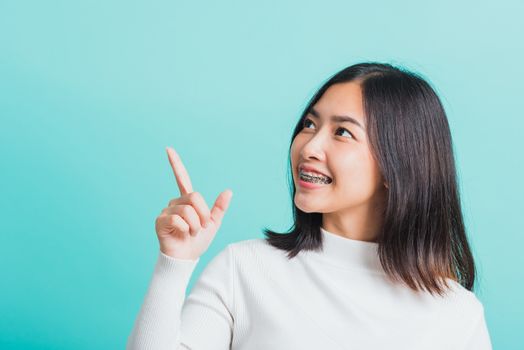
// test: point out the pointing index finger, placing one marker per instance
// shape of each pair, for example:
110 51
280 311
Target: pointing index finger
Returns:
182 177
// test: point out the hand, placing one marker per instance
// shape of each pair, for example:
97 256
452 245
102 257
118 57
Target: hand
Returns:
186 227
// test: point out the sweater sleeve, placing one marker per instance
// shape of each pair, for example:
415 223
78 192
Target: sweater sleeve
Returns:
203 320
479 339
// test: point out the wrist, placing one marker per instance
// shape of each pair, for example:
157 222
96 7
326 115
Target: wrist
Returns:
177 255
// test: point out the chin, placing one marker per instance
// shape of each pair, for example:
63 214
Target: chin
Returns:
307 208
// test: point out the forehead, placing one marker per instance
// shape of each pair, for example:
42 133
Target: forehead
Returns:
342 99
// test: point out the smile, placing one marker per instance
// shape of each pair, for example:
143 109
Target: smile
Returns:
311 177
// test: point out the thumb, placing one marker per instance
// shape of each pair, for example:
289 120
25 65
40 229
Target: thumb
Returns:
220 206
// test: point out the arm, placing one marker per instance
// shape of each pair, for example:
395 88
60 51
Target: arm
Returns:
202 321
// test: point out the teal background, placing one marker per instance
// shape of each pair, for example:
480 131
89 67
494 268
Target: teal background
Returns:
91 93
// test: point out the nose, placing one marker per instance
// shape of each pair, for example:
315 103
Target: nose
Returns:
314 148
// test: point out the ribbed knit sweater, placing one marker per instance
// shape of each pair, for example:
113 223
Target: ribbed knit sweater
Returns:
250 296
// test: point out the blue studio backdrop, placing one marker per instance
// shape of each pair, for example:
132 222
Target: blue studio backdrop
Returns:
91 93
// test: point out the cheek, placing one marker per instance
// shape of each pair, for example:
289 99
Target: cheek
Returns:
355 174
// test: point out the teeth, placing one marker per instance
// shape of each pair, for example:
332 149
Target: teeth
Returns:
314 177
309 173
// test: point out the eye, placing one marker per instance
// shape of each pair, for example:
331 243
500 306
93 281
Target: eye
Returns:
307 121
343 129
304 124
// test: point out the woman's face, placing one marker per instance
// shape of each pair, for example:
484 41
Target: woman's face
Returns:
340 150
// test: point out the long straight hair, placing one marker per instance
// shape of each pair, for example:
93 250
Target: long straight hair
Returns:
422 241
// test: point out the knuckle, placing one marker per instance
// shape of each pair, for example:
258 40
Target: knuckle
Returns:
178 223
195 229
187 210
173 220
193 196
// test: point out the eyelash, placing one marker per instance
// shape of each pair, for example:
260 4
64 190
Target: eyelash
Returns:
309 120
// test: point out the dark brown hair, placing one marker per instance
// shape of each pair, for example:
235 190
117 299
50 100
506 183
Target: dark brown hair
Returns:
423 240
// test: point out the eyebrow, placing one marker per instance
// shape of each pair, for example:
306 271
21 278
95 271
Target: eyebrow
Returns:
337 118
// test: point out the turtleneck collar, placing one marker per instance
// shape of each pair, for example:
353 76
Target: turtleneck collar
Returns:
349 253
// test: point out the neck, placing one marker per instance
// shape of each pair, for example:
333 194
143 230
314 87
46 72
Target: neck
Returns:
360 224
347 253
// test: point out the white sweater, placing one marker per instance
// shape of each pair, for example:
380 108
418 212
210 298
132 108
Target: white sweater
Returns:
250 296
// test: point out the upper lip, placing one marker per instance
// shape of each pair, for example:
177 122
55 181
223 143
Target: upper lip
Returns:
306 167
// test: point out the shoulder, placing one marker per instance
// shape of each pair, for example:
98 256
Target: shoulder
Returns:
464 301
253 246
246 252
256 254
462 313
253 243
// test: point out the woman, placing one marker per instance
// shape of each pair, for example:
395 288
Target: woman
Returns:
377 258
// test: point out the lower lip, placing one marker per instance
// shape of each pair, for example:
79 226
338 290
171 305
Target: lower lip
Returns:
310 185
